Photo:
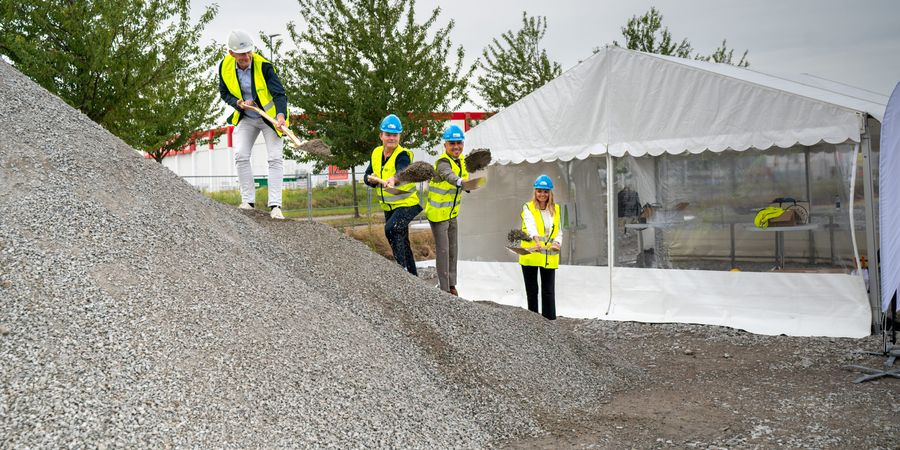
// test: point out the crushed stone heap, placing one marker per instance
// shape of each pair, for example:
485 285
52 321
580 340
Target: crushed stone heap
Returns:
136 312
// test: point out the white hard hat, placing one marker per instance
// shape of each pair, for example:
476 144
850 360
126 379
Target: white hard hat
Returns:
239 41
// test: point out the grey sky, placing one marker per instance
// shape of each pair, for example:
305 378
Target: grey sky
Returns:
856 43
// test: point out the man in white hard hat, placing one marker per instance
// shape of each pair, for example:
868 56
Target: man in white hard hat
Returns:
248 79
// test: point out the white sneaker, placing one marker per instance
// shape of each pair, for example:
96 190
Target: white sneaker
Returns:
245 205
276 213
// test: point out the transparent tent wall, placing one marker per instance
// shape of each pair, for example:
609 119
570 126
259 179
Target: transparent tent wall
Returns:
704 205
489 213
704 209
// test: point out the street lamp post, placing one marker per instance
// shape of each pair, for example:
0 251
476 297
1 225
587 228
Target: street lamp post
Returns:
271 45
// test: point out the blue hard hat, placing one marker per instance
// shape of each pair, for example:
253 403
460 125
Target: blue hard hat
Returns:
391 124
543 182
454 133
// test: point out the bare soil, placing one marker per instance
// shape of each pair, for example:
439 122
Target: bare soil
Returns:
714 387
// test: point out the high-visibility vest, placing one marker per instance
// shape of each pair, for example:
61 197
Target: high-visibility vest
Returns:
765 215
541 258
444 196
229 76
389 201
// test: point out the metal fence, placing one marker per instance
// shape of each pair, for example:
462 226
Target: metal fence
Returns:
216 183
309 182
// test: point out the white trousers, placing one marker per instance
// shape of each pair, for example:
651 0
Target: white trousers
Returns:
244 136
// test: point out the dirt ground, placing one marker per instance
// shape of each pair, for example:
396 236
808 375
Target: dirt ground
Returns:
714 387
720 388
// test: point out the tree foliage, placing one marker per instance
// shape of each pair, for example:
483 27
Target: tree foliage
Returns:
359 60
516 66
647 34
725 55
134 66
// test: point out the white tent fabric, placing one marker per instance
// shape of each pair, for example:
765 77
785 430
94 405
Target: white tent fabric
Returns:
889 190
820 304
602 105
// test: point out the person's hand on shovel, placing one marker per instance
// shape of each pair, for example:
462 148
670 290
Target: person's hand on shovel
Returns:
389 183
243 104
280 124
538 246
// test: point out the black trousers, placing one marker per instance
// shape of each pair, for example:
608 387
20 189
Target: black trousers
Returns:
548 292
396 230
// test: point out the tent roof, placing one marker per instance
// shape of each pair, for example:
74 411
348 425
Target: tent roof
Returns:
624 101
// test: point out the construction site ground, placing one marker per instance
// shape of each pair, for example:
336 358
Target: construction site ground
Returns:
137 313
715 387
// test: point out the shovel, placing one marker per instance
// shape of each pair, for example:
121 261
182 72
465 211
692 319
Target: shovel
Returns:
315 146
384 183
414 173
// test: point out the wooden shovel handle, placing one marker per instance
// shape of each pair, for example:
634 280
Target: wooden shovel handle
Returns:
287 131
394 191
377 180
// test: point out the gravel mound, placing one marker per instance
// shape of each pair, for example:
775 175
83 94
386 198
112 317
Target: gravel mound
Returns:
136 312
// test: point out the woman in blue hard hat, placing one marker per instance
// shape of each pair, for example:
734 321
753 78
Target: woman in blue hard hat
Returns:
442 207
400 203
540 220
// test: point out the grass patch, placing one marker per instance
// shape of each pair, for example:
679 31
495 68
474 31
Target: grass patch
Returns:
326 201
338 201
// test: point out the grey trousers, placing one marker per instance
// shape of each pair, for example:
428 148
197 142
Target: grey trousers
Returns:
445 246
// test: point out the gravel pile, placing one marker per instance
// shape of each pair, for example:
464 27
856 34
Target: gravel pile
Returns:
136 312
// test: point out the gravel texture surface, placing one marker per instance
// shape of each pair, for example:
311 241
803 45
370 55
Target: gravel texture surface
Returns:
718 388
135 312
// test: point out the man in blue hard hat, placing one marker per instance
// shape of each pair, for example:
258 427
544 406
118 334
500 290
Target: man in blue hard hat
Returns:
247 79
442 207
400 203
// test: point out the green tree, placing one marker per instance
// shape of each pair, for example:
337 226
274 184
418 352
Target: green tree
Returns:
133 66
725 55
359 60
516 66
647 34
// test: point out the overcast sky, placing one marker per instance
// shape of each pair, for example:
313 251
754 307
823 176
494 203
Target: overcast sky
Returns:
853 42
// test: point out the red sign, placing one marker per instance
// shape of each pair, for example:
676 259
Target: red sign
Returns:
335 174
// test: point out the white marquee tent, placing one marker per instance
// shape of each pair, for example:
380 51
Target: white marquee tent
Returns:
707 144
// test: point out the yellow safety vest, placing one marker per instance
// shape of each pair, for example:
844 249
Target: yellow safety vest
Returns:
541 258
444 196
229 76
409 196
765 215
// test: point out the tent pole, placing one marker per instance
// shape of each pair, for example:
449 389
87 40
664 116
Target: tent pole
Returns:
810 236
573 200
610 224
871 238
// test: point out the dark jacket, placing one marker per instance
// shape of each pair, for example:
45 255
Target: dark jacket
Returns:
272 82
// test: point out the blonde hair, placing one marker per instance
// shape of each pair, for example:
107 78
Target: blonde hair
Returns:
550 203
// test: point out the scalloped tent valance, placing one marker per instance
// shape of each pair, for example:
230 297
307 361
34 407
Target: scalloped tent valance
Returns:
627 102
